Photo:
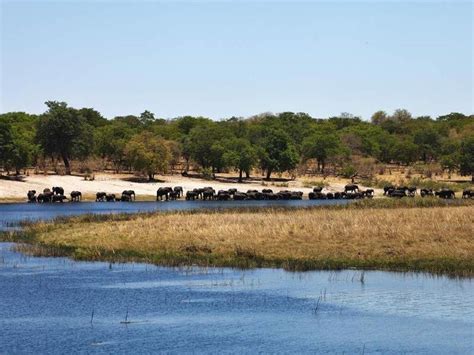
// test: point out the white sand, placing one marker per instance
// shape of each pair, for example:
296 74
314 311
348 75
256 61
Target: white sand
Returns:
111 183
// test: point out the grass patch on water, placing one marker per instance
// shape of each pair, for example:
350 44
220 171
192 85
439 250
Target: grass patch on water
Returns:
410 234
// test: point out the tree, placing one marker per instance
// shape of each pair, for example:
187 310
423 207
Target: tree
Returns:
379 117
401 115
111 140
240 155
148 154
466 157
277 153
404 151
321 146
204 145
6 145
62 131
428 142
147 118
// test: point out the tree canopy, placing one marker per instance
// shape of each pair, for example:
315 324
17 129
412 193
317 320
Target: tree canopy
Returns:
270 143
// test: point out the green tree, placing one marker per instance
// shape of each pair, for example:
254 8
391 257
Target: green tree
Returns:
401 115
148 154
6 145
428 142
379 117
466 157
111 140
321 146
62 131
404 151
277 153
240 155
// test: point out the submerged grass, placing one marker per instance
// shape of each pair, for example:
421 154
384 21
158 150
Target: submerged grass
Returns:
417 234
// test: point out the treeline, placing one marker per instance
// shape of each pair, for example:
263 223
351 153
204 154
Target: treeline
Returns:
271 143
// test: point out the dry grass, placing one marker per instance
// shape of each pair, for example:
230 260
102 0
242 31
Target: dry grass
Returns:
439 240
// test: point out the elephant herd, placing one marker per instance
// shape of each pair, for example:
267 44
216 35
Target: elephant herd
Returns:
351 191
127 196
208 193
405 191
55 194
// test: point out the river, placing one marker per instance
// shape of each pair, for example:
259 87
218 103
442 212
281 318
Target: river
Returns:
57 305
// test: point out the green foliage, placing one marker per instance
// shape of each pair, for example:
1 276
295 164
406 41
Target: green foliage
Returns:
276 143
466 156
63 132
348 171
240 155
17 147
276 152
148 154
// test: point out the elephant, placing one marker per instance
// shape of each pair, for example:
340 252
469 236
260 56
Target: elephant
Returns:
468 193
110 198
129 193
240 196
399 193
369 193
126 198
191 195
223 195
426 192
284 195
58 190
58 198
330 196
76 196
317 196
271 196
100 197
178 190
173 195
388 188
163 191
209 194
200 191
317 189
232 191
267 191
296 195
31 196
339 195
412 191
47 196
40 198
446 194
351 188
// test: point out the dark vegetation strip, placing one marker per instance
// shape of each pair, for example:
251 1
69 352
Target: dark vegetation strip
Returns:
247 259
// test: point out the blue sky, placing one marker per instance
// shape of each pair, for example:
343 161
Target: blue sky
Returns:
220 59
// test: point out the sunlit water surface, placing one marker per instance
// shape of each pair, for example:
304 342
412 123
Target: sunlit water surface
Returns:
59 306
13 213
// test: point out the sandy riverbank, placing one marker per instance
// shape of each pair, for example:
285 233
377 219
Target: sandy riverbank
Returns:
11 190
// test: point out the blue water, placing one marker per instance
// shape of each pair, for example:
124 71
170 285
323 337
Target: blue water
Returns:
46 307
13 213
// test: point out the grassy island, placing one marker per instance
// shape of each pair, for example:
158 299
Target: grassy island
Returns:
426 235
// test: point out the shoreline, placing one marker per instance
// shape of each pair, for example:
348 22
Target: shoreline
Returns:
361 235
13 190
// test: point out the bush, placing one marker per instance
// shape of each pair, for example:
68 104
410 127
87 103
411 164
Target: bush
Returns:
348 171
207 173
